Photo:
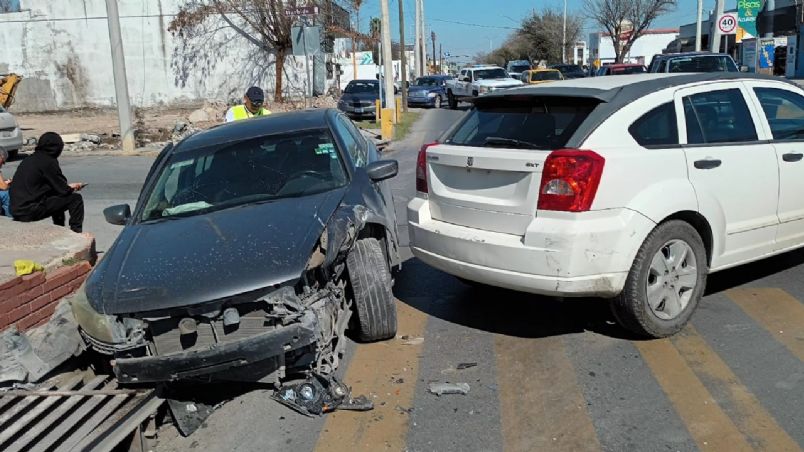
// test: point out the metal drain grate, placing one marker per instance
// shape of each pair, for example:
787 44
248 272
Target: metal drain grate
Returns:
72 415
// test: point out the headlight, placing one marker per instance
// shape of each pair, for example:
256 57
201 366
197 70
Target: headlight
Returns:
102 327
431 95
484 89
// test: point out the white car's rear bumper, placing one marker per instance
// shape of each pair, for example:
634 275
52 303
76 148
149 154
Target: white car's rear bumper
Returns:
561 254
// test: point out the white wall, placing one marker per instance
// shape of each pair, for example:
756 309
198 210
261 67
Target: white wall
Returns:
61 47
644 47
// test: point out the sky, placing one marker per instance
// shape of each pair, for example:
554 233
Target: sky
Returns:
466 27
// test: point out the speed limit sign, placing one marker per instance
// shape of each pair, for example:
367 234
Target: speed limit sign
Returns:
727 24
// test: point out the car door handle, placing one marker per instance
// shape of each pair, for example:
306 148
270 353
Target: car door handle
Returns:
792 157
707 164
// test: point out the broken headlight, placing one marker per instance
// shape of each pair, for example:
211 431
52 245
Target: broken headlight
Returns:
102 327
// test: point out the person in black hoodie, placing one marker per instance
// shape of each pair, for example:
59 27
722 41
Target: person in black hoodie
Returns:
40 190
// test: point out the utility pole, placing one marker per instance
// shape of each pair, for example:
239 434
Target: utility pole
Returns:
440 58
120 82
387 59
417 57
564 36
422 39
433 37
714 34
403 57
698 27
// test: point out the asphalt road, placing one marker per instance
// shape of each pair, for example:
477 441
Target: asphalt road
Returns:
545 374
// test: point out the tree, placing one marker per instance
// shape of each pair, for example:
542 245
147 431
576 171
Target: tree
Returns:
626 20
263 23
542 32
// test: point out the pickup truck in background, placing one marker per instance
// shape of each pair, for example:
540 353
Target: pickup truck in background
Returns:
475 81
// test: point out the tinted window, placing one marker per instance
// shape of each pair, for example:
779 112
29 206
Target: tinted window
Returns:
785 112
244 172
351 137
520 68
362 86
656 127
529 122
484 74
718 117
545 75
719 63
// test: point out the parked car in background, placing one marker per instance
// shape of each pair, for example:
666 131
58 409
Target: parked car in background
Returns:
359 98
251 247
569 70
622 69
633 188
538 76
10 134
515 68
476 81
692 62
428 91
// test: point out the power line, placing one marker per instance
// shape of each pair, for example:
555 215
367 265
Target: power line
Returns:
475 25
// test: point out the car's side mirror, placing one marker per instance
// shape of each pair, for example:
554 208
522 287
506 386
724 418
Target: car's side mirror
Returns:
743 68
118 214
382 170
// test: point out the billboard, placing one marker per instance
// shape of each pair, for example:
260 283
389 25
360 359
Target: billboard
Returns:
747 18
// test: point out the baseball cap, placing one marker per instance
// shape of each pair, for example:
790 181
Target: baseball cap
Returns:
255 95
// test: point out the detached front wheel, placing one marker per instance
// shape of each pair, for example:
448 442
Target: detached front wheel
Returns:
452 101
666 281
370 279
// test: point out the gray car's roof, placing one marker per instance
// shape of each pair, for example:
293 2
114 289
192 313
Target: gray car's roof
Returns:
615 92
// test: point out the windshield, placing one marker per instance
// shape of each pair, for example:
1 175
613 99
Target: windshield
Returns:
569 68
520 68
523 121
544 75
244 172
428 81
359 86
628 70
713 63
485 74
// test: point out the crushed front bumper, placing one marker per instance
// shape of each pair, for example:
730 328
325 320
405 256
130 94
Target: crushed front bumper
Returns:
219 357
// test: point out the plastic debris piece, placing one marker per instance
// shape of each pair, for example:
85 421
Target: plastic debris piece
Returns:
439 388
462 366
412 340
26 267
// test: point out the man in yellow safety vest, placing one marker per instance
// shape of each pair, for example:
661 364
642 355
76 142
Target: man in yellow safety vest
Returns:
252 106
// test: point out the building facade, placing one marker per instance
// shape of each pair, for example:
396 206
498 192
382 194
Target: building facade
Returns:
652 42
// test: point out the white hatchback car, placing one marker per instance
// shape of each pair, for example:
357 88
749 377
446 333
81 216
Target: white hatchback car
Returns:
632 188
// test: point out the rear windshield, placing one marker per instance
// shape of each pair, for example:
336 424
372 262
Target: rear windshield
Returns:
628 70
714 63
357 86
544 75
523 122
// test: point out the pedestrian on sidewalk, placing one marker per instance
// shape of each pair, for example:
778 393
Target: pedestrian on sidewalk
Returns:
252 106
40 189
5 200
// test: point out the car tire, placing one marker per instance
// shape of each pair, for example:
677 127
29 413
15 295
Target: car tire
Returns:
452 101
12 155
370 280
437 102
657 300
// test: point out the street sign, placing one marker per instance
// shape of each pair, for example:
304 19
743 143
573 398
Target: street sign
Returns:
727 24
747 18
302 11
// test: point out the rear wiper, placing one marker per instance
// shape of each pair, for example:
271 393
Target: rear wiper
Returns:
511 142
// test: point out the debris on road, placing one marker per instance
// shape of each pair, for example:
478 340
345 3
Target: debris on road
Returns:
439 388
407 340
317 395
462 366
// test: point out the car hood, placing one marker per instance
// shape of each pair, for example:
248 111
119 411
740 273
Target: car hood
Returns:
7 121
359 96
192 260
499 82
426 89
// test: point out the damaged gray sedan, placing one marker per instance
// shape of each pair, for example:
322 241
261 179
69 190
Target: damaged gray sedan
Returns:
253 247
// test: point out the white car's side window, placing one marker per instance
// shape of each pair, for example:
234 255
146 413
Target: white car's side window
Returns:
720 116
657 127
784 111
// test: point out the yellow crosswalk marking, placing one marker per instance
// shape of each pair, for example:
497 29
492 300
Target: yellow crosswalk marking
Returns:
709 426
542 406
377 369
750 417
777 311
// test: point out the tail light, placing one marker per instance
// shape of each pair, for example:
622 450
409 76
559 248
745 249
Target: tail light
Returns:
421 169
570 180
